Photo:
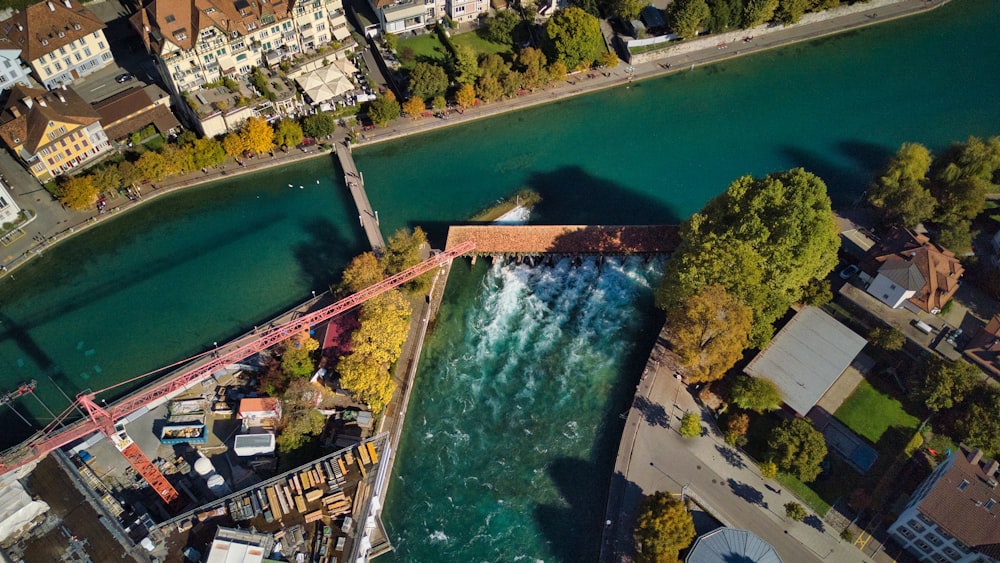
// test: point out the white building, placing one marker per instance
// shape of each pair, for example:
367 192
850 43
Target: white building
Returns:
398 16
952 516
8 207
12 69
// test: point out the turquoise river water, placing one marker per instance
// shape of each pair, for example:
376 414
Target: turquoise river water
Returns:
165 281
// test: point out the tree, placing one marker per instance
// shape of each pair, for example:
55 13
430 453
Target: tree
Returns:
795 511
790 11
962 178
690 425
296 360
531 63
889 339
608 59
798 448
257 135
626 10
465 64
288 134
764 240
439 103
500 27
736 429
956 235
129 173
403 250
978 423
757 12
769 469
663 527
151 166
817 292
465 97
384 109
368 382
687 17
488 88
574 37
106 178
233 144
363 271
557 71
414 107
385 323
427 80
318 125
176 160
78 192
299 424
756 394
945 383
206 153
709 331
900 194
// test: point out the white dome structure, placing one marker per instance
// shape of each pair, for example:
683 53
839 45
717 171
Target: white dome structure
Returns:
203 466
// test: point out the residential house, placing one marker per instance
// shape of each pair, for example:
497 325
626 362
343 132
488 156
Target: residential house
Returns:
952 516
131 110
12 69
906 270
259 411
399 16
60 39
984 348
51 132
196 42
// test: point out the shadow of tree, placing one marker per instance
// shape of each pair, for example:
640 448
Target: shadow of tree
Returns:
320 257
654 413
570 526
731 456
813 521
746 492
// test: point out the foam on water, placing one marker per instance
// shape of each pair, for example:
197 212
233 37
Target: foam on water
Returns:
515 387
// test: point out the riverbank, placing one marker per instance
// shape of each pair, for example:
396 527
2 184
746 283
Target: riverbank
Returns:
674 60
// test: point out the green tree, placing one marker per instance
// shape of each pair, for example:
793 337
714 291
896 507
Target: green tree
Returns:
574 37
709 332
318 125
299 424
288 133
206 153
956 235
176 160
737 428
465 65
608 59
384 109
403 250
627 10
945 383
755 394
798 448
557 71
817 293
690 425
151 166
900 194
887 338
531 63
257 135
764 240
795 511
427 80
364 270
78 192
106 178
296 355
978 423
790 11
128 173
488 88
439 103
769 469
687 17
963 176
500 27
757 12
663 527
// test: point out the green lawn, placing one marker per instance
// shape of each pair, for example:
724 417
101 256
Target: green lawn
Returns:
425 47
480 45
870 413
804 493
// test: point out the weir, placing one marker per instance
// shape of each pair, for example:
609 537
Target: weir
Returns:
356 183
523 241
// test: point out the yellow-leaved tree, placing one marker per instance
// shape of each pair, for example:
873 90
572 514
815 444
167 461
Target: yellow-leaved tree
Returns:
296 359
78 192
414 106
257 135
709 331
233 144
465 97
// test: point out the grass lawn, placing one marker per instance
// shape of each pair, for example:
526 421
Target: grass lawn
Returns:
870 413
480 45
426 47
805 494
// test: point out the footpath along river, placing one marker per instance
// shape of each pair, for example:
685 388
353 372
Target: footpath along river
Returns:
198 266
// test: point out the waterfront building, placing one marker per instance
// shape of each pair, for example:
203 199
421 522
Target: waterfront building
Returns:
951 517
195 42
398 16
12 69
60 39
130 111
51 132
10 213
905 269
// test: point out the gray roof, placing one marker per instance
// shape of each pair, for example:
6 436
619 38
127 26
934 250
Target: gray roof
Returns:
806 357
903 272
730 544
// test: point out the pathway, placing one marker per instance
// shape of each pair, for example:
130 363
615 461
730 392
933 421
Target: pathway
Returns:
356 183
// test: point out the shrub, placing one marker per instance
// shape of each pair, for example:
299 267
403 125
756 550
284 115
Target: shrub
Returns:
691 425
795 511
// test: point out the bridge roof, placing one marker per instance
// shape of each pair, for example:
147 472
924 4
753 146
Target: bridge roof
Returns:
567 239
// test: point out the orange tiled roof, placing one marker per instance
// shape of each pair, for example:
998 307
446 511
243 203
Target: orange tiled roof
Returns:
258 404
936 264
21 124
181 21
44 27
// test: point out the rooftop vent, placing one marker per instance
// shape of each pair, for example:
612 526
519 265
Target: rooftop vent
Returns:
52 7
68 4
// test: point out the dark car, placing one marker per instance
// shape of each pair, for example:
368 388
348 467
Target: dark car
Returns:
121 78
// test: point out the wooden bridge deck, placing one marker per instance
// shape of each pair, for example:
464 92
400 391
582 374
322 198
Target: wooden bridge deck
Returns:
528 240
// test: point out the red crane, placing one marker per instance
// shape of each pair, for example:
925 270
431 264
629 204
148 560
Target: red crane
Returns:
105 419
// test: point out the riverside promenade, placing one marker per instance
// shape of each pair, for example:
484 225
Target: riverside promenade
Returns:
653 456
356 183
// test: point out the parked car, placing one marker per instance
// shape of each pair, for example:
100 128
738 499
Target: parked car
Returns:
849 272
122 78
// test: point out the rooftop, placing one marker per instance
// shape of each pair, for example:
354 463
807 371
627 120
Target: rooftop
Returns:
936 265
46 26
964 501
730 544
29 111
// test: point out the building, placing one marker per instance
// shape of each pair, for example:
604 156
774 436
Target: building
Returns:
239 546
259 411
984 348
131 110
730 544
906 270
60 39
12 69
952 516
398 16
806 357
10 212
195 42
51 132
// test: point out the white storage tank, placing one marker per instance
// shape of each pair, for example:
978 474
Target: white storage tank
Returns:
203 466
217 484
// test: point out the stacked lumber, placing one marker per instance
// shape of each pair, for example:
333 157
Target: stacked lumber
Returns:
371 452
314 516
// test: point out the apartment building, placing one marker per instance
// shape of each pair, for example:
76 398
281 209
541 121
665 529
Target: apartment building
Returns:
398 16
61 41
12 69
200 41
952 516
51 132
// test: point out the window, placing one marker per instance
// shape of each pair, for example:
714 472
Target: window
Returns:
69 153
48 71
51 162
905 532
933 539
892 286
76 148
68 62
86 51
96 34
923 546
62 50
58 66
100 45
3 202
39 167
78 57
963 485
990 504
940 558
6 63
318 16
916 525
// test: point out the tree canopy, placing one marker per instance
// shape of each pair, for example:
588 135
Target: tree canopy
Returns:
500 27
687 17
384 109
709 332
755 394
798 448
690 425
414 107
763 240
946 383
574 37
663 528
296 355
78 192
319 125
900 194
977 424
427 80
288 133
257 135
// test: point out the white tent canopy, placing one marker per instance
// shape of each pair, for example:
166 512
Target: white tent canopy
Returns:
326 83
17 510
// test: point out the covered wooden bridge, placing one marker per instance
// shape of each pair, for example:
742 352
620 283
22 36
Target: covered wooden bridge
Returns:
595 240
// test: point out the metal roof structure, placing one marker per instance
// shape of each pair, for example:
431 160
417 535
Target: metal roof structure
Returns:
730 544
806 356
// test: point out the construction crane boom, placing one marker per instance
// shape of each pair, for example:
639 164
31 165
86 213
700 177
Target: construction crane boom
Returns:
105 419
